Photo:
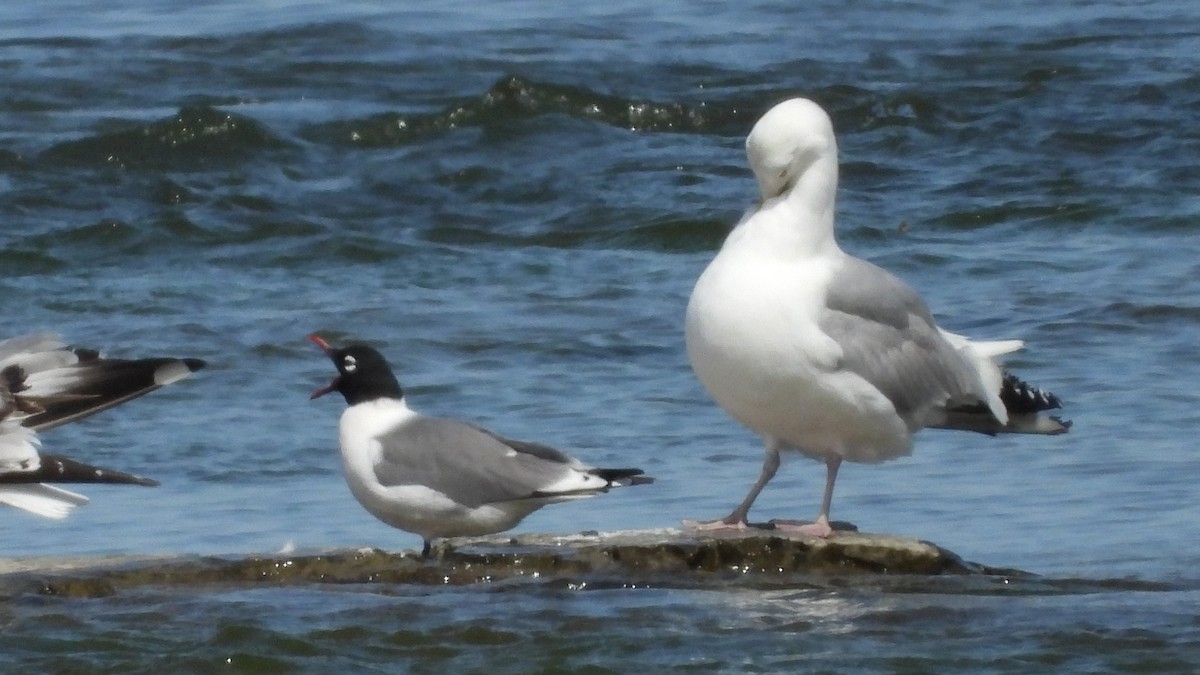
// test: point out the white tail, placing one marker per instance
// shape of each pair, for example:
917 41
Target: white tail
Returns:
44 500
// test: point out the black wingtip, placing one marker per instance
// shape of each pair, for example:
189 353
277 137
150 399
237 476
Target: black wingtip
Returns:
627 476
101 384
1019 397
59 469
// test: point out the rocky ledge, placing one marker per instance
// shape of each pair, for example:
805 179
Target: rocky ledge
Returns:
667 557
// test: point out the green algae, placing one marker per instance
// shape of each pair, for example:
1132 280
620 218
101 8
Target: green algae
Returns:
658 557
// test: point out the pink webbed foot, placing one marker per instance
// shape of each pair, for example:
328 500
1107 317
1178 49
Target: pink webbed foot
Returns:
727 523
819 529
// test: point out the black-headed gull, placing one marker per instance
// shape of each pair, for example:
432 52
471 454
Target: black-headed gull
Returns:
439 477
823 353
44 384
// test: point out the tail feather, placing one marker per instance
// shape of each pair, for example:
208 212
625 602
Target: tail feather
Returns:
982 421
612 477
1020 398
982 358
1023 404
623 476
44 500
989 349
1048 425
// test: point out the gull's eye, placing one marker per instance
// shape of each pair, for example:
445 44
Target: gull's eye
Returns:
349 364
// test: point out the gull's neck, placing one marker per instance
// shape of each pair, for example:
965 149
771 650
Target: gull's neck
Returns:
363 424
798 223
380 413
815 191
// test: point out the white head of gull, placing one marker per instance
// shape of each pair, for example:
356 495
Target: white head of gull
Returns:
821 352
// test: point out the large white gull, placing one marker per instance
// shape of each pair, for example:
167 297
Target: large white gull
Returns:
821 352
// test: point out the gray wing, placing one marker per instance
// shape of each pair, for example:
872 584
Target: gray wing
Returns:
890 339
468 464
536 449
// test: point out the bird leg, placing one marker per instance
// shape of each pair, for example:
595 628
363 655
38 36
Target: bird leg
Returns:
737 519
821 527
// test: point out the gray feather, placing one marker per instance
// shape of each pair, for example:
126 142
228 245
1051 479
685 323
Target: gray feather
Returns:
889 338
471 466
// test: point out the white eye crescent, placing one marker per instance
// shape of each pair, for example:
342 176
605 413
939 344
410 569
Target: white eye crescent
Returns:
349 364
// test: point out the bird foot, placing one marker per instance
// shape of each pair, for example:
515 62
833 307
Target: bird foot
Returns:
726 523
819 529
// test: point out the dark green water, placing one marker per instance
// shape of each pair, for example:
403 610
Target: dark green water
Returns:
536 628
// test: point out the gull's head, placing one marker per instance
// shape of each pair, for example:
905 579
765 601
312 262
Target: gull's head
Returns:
786 142
363 373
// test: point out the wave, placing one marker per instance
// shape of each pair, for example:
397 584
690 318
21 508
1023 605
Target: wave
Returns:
513 97
197 134
201 134
665 235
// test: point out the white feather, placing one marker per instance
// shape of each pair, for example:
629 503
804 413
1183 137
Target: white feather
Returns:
18 446
574 481
44 500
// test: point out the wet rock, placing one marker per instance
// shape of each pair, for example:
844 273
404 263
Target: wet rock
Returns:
695 552
664 558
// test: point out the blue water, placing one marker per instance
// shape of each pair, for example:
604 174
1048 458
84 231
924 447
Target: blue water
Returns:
1030 168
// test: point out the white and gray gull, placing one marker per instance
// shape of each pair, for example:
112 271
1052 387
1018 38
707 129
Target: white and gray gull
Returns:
440 477
821 352
44 384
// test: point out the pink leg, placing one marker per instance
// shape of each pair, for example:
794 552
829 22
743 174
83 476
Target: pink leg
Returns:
821 527
737 519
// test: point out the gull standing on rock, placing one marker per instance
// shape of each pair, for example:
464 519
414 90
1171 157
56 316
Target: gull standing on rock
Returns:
821 352
44 384
439 477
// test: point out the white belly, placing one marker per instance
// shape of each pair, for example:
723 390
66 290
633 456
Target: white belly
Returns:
427 512
757 348
413 508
